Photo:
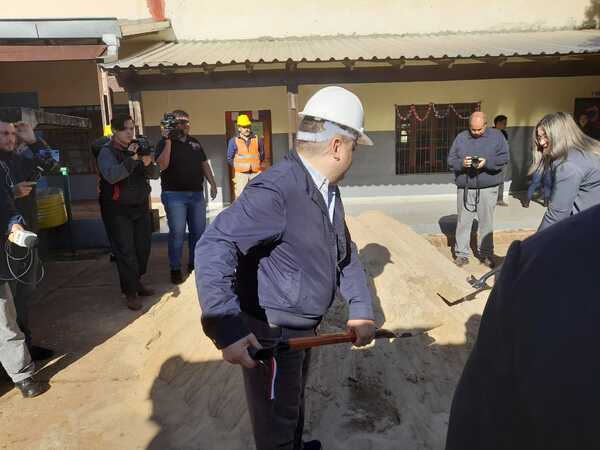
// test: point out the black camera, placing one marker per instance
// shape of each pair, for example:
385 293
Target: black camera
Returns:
43 165
144 146
170 124
475 160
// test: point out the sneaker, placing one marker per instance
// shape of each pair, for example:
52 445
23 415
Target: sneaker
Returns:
176 277
30 388
461 261
502 203
133 302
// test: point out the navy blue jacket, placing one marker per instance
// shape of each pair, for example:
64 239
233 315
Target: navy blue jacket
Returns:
531 381
492 146
275 255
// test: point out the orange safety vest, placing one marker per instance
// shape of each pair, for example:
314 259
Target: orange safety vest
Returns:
247 157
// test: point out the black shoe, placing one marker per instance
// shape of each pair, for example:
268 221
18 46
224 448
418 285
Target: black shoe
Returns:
312 445
502 203
30 388
461 261
190 268
176 277
133 302
487 261
145 292
526 203
40 353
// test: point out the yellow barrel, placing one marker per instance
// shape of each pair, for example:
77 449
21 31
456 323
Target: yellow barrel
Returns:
51 210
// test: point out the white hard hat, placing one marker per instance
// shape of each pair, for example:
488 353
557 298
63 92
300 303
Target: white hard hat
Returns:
338 105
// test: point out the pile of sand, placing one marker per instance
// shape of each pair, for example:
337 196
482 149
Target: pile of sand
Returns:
157 382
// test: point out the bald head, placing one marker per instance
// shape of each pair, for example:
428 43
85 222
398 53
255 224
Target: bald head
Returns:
8 137
477 124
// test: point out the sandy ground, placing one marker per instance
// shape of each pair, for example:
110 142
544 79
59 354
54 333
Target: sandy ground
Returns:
152 380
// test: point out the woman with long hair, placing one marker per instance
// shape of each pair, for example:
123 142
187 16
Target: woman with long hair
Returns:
574 158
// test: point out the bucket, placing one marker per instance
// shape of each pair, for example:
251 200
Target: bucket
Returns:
51 210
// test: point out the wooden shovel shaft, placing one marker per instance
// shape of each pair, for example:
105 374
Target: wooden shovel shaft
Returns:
328 339
317 341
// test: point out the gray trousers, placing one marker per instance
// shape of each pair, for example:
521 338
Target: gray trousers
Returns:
277 423
486 205
14 355
24 294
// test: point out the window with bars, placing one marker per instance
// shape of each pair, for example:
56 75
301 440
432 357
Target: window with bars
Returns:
74 144
424 134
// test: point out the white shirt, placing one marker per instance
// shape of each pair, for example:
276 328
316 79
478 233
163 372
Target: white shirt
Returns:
326 189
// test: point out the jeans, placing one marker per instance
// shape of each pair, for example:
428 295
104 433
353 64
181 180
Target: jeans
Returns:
540 178
184 208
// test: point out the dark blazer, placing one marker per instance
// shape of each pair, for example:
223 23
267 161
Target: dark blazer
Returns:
275 255
533 379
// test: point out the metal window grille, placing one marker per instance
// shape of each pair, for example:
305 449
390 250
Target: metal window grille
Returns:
424 134
74 145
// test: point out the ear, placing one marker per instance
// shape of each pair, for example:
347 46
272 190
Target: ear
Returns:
335 148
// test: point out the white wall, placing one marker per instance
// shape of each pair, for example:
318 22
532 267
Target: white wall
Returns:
47 9
207 19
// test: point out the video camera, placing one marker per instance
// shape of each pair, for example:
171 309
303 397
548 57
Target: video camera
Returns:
169 123
43 164
144 146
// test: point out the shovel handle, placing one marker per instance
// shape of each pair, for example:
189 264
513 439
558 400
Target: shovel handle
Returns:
317 341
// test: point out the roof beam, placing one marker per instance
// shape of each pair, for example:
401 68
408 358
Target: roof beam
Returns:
129 79
349 64
397 63
447 63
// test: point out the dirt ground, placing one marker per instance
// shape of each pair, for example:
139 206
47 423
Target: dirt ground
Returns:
152 380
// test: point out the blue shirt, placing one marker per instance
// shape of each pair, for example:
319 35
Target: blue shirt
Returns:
232 147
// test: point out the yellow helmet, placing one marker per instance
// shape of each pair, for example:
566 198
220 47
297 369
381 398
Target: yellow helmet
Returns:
243 121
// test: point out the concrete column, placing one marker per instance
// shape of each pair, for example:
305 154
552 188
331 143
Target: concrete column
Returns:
292 96
105 99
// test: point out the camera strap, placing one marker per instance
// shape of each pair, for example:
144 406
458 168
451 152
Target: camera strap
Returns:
466 193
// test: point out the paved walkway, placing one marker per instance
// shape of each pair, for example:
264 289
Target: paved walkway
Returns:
434 215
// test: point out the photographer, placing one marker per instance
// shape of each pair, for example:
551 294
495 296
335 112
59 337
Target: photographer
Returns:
22 165
125 166
14 354
183 166
477 158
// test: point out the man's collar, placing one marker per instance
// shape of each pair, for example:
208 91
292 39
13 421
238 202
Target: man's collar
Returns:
320 181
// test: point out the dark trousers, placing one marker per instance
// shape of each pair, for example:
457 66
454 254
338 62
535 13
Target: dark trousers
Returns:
278 423
130 233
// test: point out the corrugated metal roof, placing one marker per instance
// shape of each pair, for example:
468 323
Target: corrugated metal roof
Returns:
374 47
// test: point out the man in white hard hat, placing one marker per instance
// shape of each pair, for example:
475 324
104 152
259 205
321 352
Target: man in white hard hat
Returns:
272 262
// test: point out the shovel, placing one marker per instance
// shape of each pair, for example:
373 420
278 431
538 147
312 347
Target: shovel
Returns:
480 285
301 343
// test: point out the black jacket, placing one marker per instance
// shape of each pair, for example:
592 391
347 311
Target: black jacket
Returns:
123 180
531 381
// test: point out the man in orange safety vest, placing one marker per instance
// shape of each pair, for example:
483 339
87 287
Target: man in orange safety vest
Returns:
245 153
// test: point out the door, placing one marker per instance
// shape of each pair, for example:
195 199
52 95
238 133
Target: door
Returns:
261 126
